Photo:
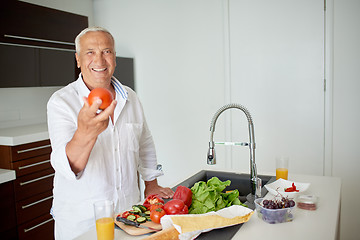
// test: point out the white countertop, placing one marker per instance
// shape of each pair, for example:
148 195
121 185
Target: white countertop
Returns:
23 134
320 224
6 175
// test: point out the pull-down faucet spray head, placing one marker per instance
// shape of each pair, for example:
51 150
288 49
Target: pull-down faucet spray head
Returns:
211 155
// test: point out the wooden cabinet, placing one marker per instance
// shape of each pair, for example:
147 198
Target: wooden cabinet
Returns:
8 225
30 24
124 71
13 56
31 67
56 68
32 189
37 45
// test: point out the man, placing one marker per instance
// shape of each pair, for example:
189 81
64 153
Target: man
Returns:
97 155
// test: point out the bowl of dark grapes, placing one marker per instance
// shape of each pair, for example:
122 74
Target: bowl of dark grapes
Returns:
277 210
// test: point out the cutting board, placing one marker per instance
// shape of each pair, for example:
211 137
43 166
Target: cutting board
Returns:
131 230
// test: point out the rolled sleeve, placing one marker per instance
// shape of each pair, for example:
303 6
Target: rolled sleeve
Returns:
62 120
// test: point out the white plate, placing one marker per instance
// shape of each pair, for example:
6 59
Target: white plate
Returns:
279 187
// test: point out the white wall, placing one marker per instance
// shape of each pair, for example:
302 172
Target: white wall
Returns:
346 112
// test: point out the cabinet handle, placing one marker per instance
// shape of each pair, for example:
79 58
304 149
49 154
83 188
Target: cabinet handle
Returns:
34 203
36 179
32 165
38 39
32 228
32 149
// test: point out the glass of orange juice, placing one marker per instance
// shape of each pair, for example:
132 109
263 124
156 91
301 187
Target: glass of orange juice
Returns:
282 165
104 217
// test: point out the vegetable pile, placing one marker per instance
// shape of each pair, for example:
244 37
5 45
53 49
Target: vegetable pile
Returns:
208 196
138 213
203 197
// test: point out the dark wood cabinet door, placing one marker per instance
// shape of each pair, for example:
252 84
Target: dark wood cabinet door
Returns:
8 229
26 23
38 228
124 71
57 67
18 66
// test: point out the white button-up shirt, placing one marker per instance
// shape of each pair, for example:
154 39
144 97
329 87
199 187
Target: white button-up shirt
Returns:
121 151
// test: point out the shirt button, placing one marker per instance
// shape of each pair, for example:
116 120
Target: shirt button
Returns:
117 188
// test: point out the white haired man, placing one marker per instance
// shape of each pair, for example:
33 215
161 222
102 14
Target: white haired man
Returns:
97 155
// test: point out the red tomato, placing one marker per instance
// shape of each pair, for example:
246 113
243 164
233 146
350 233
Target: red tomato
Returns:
156 206
176 206
157 214
102 93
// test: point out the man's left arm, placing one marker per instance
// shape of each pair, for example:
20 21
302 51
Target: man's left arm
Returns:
148 165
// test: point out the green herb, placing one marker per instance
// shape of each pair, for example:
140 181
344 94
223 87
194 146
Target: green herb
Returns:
209 197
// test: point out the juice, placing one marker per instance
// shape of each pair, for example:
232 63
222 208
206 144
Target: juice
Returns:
105 228
282 173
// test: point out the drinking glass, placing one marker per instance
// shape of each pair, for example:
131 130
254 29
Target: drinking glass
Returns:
104 217
282 166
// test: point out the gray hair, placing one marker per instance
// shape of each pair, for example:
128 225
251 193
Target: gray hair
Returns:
90 29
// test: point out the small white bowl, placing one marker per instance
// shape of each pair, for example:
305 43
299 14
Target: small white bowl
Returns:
280 185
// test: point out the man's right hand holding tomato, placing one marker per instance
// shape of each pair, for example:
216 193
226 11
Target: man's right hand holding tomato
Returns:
90 125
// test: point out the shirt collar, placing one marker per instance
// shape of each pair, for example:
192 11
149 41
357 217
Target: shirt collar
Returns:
119 88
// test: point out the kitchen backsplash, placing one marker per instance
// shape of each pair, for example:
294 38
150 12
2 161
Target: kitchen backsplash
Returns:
24 106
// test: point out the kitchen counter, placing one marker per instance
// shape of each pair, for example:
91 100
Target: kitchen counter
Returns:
23 134
6 175
320 224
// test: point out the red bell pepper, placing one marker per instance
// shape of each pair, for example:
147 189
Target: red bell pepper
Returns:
291 189
183 193
152 199
176 206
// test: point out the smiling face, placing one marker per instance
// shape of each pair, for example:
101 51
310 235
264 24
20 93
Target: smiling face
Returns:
97 59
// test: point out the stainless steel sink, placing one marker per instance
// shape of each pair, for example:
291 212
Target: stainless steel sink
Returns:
238 181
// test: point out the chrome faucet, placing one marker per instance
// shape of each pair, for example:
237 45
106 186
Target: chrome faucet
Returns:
211 156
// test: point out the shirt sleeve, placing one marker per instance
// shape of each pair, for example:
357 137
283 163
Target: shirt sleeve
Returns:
61 127
147 166
147 154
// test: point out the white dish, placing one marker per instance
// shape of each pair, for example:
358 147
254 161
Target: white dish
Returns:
280 185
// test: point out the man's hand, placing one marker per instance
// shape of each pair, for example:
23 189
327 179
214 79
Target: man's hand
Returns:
90 125
152 187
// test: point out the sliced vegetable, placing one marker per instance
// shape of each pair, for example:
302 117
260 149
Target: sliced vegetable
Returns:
134 212
141 219
142 207
125 214
131 217
176 206
183 193
152 199
291 189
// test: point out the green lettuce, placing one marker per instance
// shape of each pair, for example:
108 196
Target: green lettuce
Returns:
208 196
